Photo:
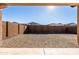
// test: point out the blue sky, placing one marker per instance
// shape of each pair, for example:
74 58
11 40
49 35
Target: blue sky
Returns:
40 14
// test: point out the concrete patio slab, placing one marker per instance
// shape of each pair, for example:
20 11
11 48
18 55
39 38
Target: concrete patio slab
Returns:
22 51
39 51
60 51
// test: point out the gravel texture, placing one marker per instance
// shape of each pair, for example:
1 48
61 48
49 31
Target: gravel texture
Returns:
42 41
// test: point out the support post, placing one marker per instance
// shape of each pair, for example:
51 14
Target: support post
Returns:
78 25
2 5
0 24
0 27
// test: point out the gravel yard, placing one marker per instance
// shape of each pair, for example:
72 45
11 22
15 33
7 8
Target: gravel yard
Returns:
42 41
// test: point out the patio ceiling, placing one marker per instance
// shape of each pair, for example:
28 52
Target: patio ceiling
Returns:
39 4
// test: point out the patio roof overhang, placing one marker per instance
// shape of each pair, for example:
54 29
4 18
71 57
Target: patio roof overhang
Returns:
3 5
42 4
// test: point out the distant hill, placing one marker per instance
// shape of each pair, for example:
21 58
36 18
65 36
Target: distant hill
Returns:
33 23
71 24
60 24
55 24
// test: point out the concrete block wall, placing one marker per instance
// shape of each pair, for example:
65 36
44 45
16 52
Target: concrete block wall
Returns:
21 29
52 29
12 29
56 29
4 30
71 29
25 29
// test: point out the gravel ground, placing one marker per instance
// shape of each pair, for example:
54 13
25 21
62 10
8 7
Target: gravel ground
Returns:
42 41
